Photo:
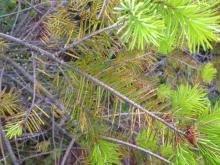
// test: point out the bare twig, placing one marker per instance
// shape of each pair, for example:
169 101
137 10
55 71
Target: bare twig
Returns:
38 155
1 76
67 79
53 138
87 37
8 146
135 147
67 152
105 2
34 90
17 15
24 10
32 5
41 20
2 151
35 81
37 23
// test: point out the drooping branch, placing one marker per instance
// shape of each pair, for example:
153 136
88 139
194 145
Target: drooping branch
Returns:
93 79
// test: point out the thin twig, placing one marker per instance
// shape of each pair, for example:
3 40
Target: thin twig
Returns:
1 76
40 21
38 155
2 151
37 24
32 5
135 147
17 15
53 138
67 152
28 112
105 2
21 11
67 79
60 146
87 37
8 146
183 62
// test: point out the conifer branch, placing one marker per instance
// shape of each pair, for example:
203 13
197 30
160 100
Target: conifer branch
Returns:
108 87
91 78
